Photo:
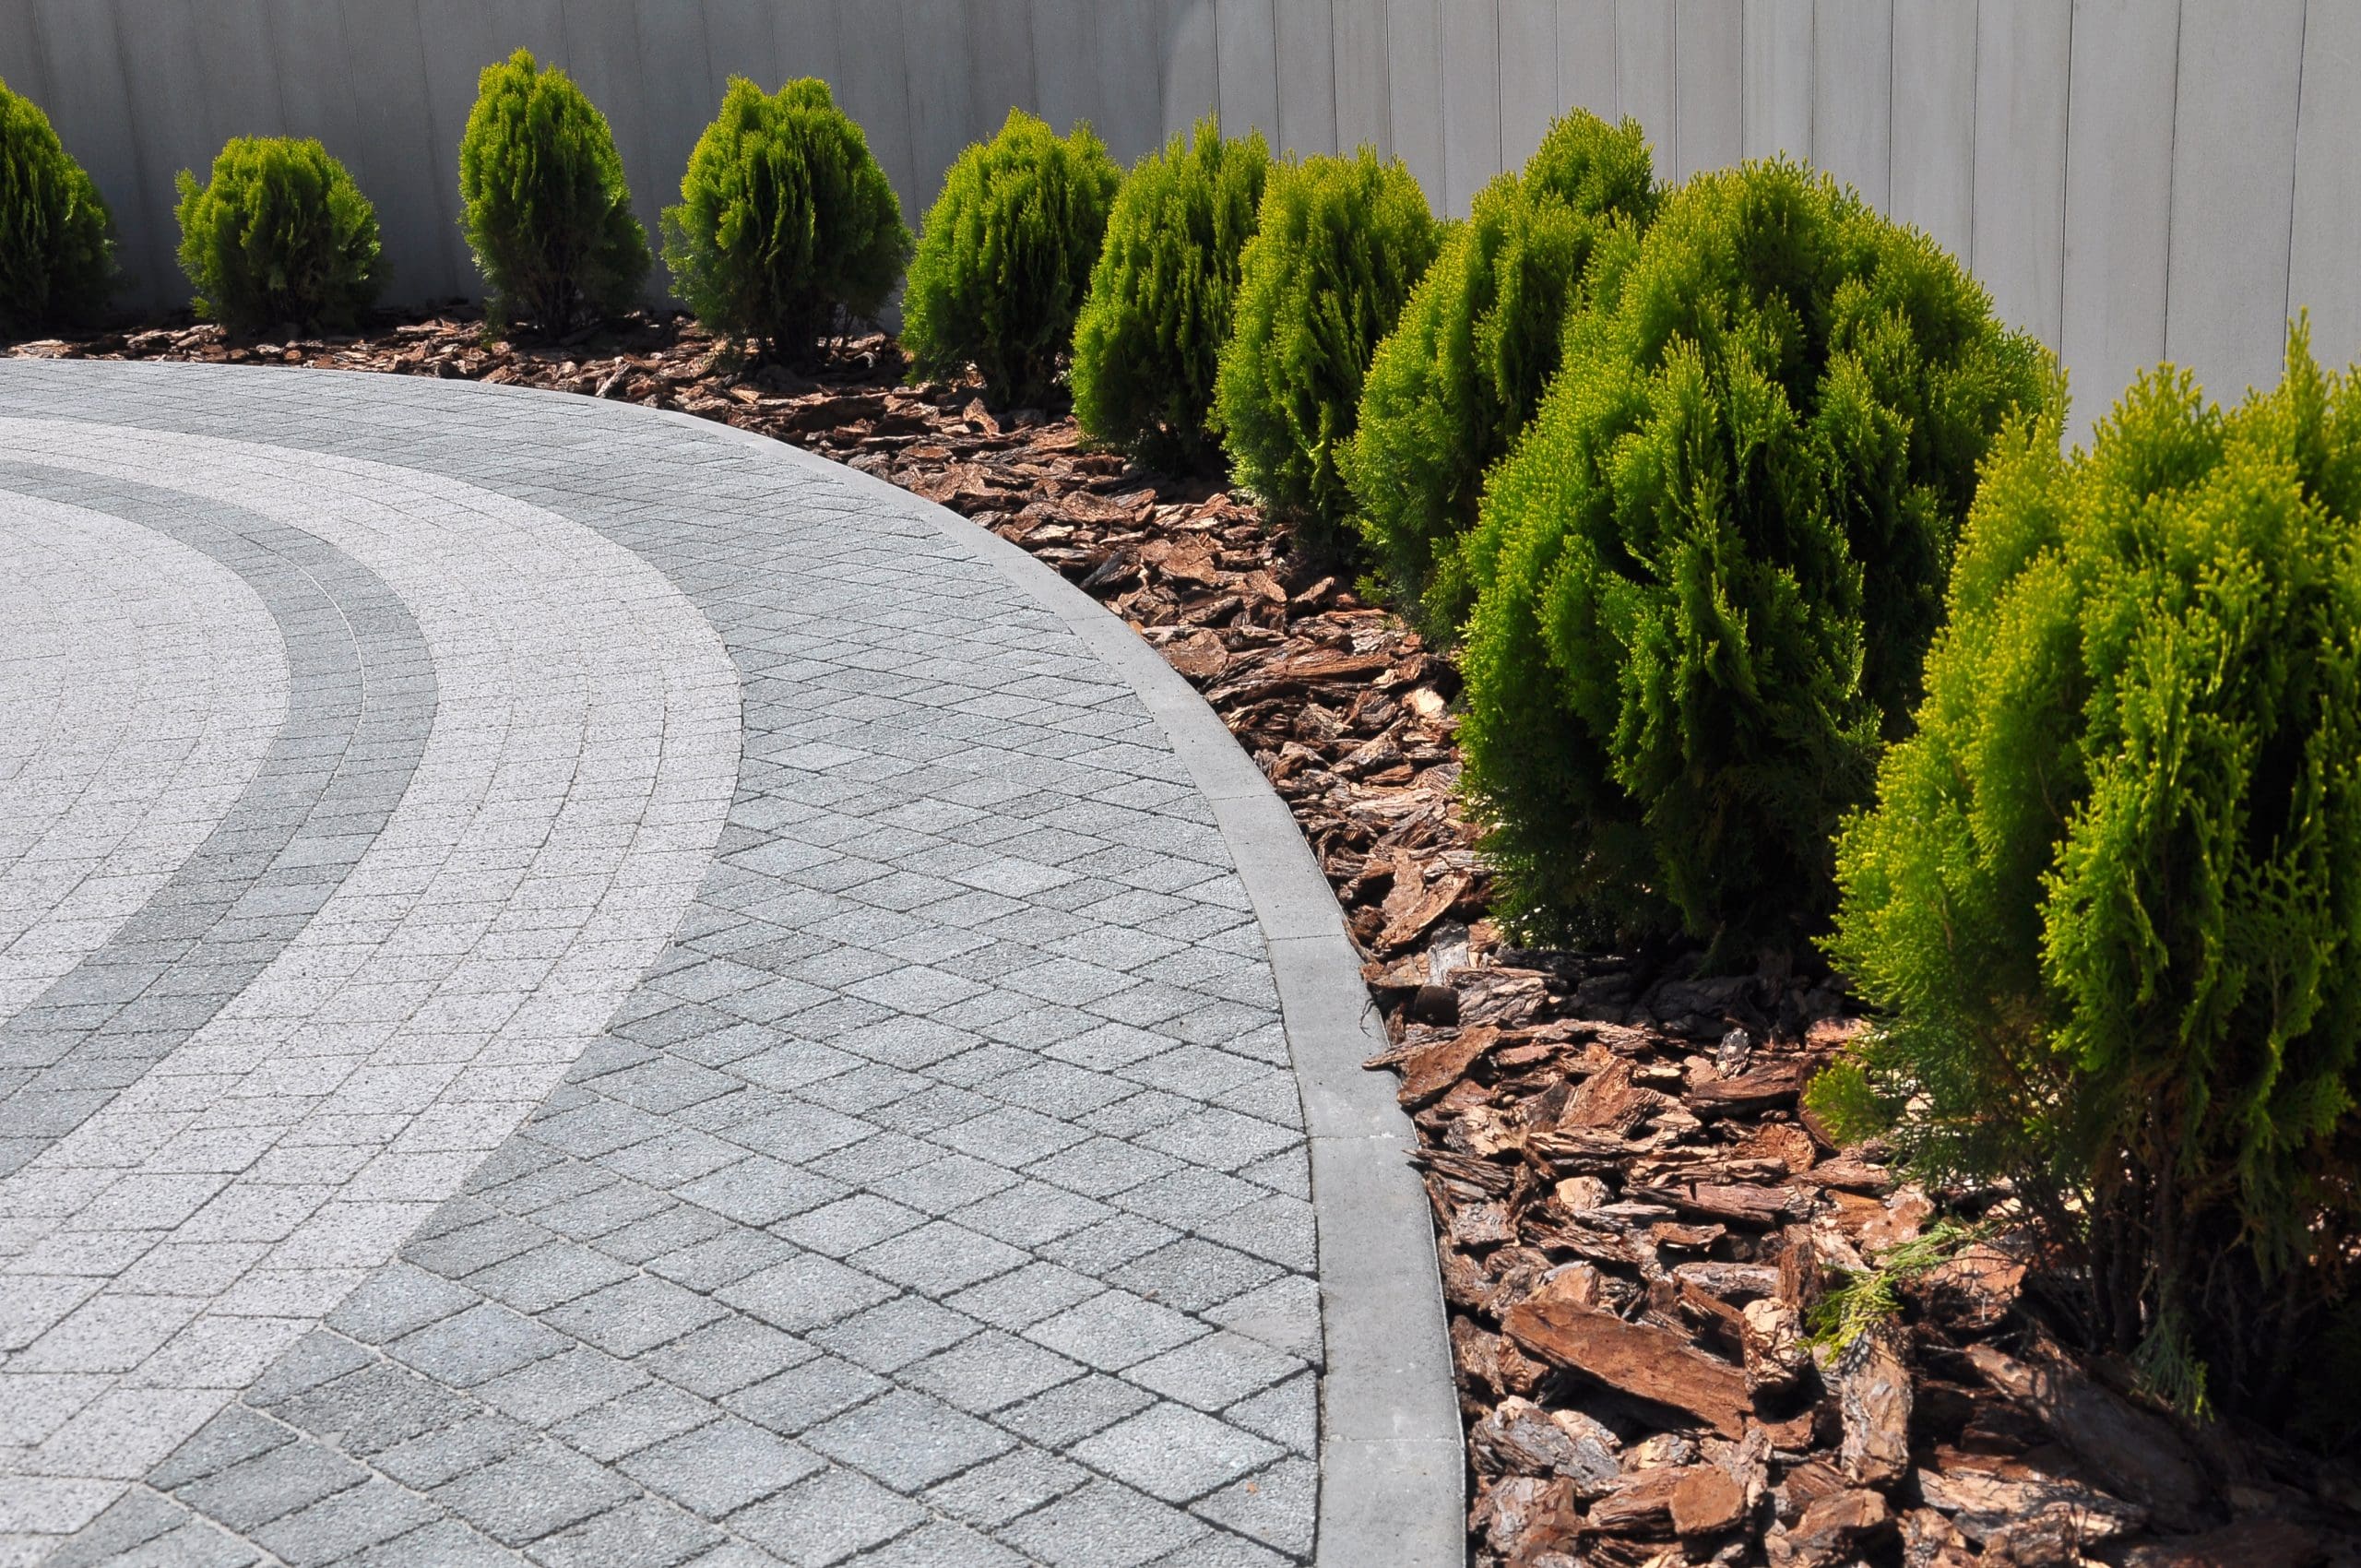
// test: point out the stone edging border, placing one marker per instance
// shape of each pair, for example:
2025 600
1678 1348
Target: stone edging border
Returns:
1393 1460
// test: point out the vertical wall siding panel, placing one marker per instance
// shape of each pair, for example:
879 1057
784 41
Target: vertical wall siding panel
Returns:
307 55
1852 106
1362 117
1413 81
1471 100
234 66
2323 275
22 63
160 52
2019 243
90 107
457 39
1777 86
943 115
412 177
679 99
1586 57
1528 50
1133 115
1003 66
1192 75
2234 177
1056 78
805 32
2119 198
1307 31
1646 88
874 88
740 40
1931 182
1246 52
1710 44
604 51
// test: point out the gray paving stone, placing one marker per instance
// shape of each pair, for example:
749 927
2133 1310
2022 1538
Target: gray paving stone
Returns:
1174 1453
804 1396
477 1345
533 1492
1102 1523
828 1518
720 1469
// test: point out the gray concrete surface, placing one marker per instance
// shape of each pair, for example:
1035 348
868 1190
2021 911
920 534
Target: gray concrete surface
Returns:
712 1012
2132 179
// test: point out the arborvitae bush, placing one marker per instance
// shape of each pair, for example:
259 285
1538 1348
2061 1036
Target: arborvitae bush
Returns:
278 236
785 218
1339 245
546 210
2109 897
1005 257
1708 574
56 242
1462 371
1148 343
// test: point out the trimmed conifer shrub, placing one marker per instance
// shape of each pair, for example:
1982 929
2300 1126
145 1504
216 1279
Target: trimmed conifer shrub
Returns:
1005 257
56 239
278 236
2109 896
544 204
1148 343
1457 379
1339 244
1707 576
784 220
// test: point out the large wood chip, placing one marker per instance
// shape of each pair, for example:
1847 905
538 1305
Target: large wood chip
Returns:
2135 1451
1874 1395
1650 1363
1431 1069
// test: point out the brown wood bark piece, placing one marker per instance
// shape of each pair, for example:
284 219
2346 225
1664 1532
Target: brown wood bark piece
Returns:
2135 1451
1706 1501
1652 1363
1873 1396
2250 1543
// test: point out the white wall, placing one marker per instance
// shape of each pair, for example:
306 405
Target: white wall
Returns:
2132 179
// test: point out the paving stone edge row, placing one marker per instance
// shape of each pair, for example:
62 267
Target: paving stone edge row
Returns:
1392 1461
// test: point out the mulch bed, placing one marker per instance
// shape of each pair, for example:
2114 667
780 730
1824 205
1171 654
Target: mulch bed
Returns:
1636 1220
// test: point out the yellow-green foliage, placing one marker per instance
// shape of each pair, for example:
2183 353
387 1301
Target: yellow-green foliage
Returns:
2109 897
1339 245
785 218
56 244
1005 257
1455 381
544 204
1148 343
278 236
1708 574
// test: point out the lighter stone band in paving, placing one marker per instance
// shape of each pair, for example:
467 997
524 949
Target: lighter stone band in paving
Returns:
576 988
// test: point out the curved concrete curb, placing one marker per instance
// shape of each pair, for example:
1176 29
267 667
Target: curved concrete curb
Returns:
1392 1461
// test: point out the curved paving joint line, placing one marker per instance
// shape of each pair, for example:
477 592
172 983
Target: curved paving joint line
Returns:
934 1199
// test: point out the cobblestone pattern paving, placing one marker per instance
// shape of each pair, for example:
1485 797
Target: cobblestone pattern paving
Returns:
142 684
939 1197
319 794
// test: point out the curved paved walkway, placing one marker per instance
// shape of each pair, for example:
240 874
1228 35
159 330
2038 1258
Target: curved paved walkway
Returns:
580 987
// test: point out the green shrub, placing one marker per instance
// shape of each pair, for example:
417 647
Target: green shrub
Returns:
278 236
2110 892
1005 257
1708 574
1338 246
784 220
1149 342
1460 373
57 240
544 204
